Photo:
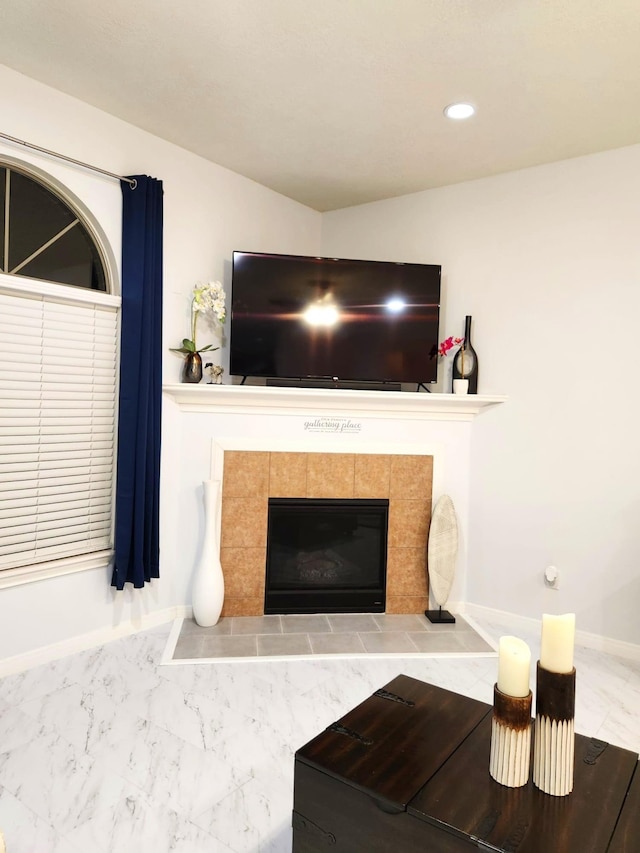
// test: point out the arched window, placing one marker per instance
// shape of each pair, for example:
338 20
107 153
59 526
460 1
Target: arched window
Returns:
43 237
58 380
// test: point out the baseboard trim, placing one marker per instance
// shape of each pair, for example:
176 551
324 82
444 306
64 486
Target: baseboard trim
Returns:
620 648
82 642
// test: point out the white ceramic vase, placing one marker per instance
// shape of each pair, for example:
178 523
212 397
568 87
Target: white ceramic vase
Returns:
460 386
208 580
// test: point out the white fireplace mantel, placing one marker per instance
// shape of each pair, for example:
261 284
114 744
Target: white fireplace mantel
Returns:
210 421
382 404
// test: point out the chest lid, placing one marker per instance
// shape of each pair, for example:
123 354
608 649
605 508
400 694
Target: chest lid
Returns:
391 744
464 800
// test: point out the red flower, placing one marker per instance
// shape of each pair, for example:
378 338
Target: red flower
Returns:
447 345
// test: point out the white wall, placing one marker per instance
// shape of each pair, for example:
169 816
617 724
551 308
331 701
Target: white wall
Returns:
209 212
547 261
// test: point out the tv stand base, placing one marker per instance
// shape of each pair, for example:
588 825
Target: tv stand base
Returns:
334 383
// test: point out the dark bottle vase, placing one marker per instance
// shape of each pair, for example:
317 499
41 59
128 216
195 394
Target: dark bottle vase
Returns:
465 363
192 367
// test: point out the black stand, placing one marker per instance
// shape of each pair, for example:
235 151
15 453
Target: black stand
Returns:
440 616
332 382
422 385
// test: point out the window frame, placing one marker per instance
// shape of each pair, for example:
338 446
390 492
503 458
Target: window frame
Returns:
25 286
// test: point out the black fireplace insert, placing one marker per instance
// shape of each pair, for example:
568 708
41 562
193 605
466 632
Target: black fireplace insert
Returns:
326 555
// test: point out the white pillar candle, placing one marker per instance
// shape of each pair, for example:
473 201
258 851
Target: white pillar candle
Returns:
514 664
557 642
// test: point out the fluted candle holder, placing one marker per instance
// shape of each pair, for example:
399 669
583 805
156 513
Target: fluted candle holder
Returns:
510 739
554 731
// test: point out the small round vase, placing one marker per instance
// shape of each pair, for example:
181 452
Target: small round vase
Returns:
208 581
460 386
192 367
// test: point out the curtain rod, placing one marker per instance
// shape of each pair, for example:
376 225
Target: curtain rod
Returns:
131 181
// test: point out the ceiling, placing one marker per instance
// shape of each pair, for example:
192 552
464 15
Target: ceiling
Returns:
339 102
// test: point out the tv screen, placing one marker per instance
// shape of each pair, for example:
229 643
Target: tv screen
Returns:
296 317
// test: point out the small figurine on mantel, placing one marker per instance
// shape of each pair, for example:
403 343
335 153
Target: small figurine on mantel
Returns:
215 372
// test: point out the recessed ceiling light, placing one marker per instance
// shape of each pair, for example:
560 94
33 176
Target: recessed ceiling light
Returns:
459 111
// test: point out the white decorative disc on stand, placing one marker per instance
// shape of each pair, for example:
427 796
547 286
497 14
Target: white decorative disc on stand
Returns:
442 553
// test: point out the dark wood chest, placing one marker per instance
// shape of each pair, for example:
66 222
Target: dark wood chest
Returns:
408 770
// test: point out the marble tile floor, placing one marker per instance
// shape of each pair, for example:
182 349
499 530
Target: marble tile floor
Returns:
308 635
109 750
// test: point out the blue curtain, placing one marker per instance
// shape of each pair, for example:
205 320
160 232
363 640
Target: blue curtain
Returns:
138 464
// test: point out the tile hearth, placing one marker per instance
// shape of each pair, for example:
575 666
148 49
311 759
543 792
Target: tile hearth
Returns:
317 635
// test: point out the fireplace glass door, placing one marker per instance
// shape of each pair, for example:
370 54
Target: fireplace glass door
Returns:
326 556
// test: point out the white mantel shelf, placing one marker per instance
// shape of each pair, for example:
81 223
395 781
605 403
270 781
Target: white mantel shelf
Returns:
234 399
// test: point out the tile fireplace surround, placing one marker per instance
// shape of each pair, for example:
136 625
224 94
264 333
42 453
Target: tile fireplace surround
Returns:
300 442
252 477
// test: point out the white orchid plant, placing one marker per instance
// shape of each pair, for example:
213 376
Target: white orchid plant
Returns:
207 300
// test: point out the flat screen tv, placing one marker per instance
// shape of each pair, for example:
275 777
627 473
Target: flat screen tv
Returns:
344 321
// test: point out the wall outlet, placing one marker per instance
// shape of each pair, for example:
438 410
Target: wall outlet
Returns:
552 577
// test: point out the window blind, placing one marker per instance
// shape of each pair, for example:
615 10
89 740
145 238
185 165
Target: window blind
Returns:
58 377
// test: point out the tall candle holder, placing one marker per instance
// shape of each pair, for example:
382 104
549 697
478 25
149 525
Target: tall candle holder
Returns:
510 739
554 731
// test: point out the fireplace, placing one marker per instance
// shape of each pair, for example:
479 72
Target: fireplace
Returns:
294 442
326 555
252 477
